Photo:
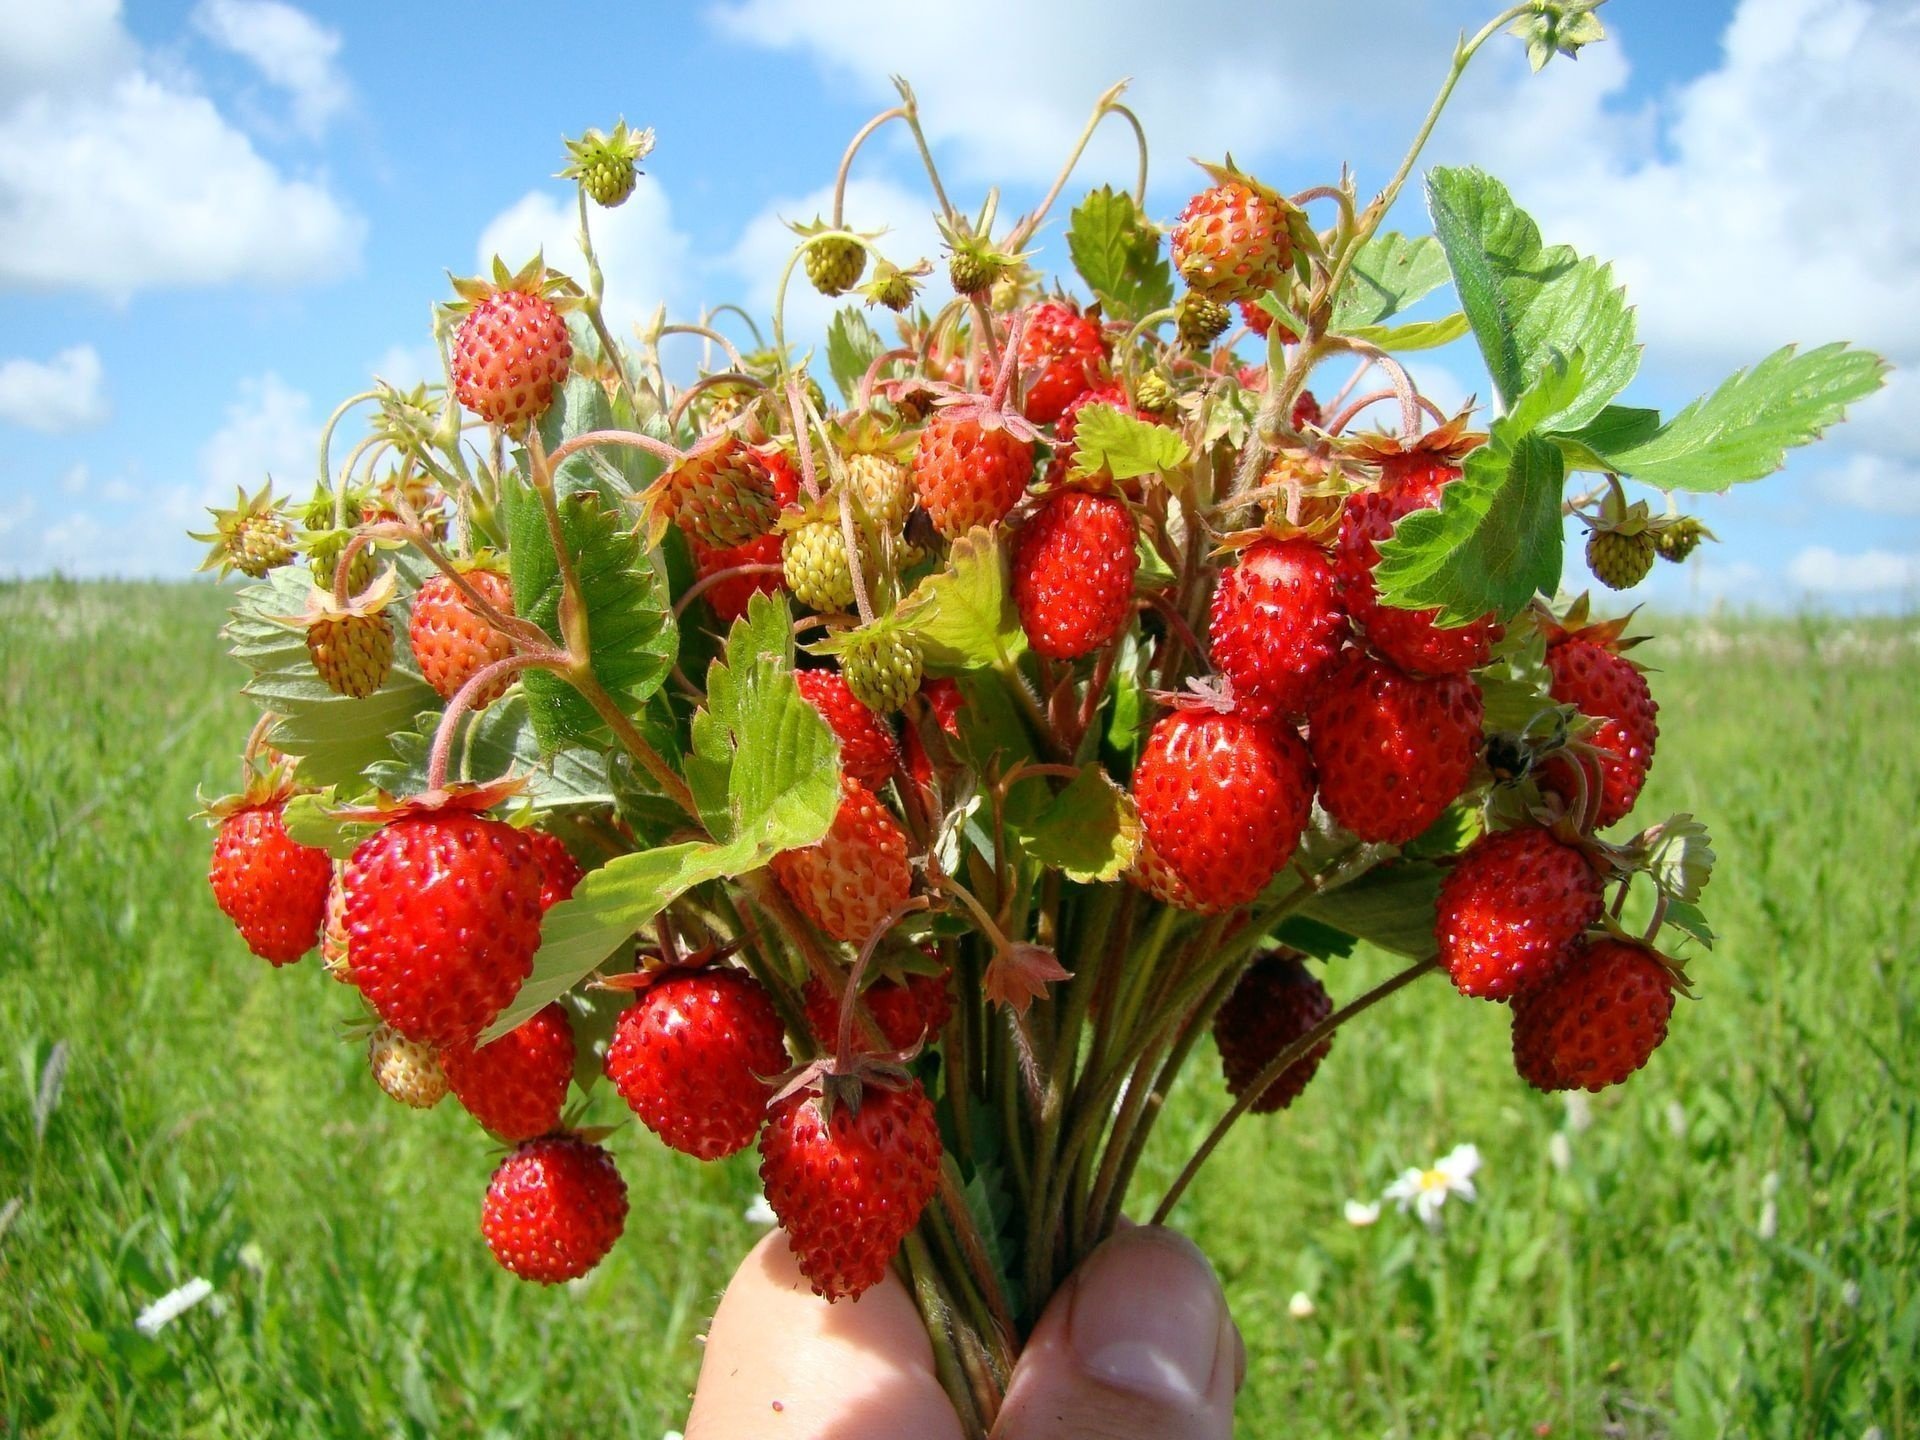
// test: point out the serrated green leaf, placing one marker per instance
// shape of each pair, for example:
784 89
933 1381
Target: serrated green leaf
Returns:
1391 907
1389 274
1530 303
1117 252
1618 427
1419 335
1107 441
962 614
852 347
1690 921
307 822
499 740
1743 430
1089 831
764 769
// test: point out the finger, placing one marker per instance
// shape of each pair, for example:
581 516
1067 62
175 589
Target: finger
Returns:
1138 1345
781 1361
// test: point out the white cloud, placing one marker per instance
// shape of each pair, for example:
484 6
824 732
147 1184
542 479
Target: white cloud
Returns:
405 366
270 429
289 48
644 258
55 396
1826 571
117 176
1874 483
75 479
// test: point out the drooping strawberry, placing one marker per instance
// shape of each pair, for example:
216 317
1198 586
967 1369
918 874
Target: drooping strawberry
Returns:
1596 1022
1277 625
1393 751
350 642
848 1177
272 888
559 871
1231 242
729 598
1591 674
516 1086
1073 565
1061 355
512 349
868 751
971 466
554 1208
723 494
1223 799
856 875
695 1055
409 1072
453 642
1275 1004
1512 910
882 663
907 1011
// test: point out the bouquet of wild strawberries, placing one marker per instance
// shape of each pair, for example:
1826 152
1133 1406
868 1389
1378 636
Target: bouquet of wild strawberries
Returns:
907 785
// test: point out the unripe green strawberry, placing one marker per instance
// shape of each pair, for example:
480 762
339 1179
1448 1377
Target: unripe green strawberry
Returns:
1620 560
1154 393
605 165
835 264
1679 539
407 1070
253 537
883 486
970 272
351 651
881 666
813 561
1201 321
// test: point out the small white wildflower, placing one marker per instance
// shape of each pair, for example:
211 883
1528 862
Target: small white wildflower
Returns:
1769 1225
1361 1212
1579 1110
171 1306
1425 1191
1874 1432
761 1213
1560 1151
1300 1307
1850 1295
673 1435
1676 1120
1769 1184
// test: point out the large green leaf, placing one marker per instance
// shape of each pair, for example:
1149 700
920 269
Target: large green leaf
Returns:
1418 335
499 740
1743 430
1391 907
1117 252
852 346
1089 831
1496 539
1389 274
963 613
1108 441
1529 302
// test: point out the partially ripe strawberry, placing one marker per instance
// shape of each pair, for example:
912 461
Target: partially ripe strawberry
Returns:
1512 910
729 598
1596 1022
554 1208
1231 243
856 875
1073 566
1409 638
559 871
723 494
516 1086
907 1011
1278 626
1061 355
443 917
1393 751
410 1073
967 472
510 354
848 1189
695 1056
1275 1004
450 639
868 751
272 889
1603 684
1223 800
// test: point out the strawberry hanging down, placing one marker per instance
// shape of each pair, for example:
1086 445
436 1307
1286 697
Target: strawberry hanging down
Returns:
1275 1004
1592 673
516 1086
1073 562
1393 751
554 1208
1277 625
856 875
1597 1021
511 351
272 888
1512 910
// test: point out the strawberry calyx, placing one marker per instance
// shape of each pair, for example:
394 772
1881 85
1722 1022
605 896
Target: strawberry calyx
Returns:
1573 624
832 1083
1444 445
462 797
533 278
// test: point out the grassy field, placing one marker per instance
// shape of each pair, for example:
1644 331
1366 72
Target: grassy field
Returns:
1728 1246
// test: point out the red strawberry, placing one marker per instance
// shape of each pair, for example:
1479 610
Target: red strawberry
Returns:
1600 682
559 871
516 1086
724 494
968 470
1512 910
848 1189
1061 356
554 1208
856 875
1231 242
868 751
443 917
1306 411
729 598
906 1011
1223 799
1073 566
509 355
1409 638
1278 626
450 640
694 1057
1256 319
1393 751
272 889
1276 1002
1596 1022
943 697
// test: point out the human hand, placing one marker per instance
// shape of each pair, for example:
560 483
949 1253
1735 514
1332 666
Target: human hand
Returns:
1137 1345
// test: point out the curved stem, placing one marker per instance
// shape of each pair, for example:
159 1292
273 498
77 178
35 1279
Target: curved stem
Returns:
899 112
863 395
326 441
462 701
710 382
707 332
1397 377
849 533
1140 140
912 116
1022 231
596 317
753 325
850 998
802 436
630 438
706 582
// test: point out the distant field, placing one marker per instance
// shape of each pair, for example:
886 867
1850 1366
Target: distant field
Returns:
1728 1246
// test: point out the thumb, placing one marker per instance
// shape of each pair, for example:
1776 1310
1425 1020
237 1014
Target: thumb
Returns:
1137 1345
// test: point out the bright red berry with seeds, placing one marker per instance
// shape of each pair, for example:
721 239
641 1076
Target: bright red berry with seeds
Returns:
1223 799
695 1056
452 642
908 1010
968 471
510 354
868 750
1603 684
1409 638
856 875
1274 1005
848 1188
1393 751
554 1209
1061 357
1512 910
1073 565
516 1086
1596 1022
272 888
442 919
559 871
1278 626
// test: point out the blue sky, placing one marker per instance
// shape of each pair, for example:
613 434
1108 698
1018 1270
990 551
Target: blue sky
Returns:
218 216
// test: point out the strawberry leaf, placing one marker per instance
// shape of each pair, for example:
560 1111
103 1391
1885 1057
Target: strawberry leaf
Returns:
852 346
963 614
1419 335
1117 253
498 741
1391 907
1089 832
1389 274
1528 302
1106 441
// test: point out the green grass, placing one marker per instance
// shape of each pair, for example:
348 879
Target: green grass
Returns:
1731 1248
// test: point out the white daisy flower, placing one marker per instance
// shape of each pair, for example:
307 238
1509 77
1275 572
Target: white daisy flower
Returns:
1362 1212
171 1306
1425 1191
